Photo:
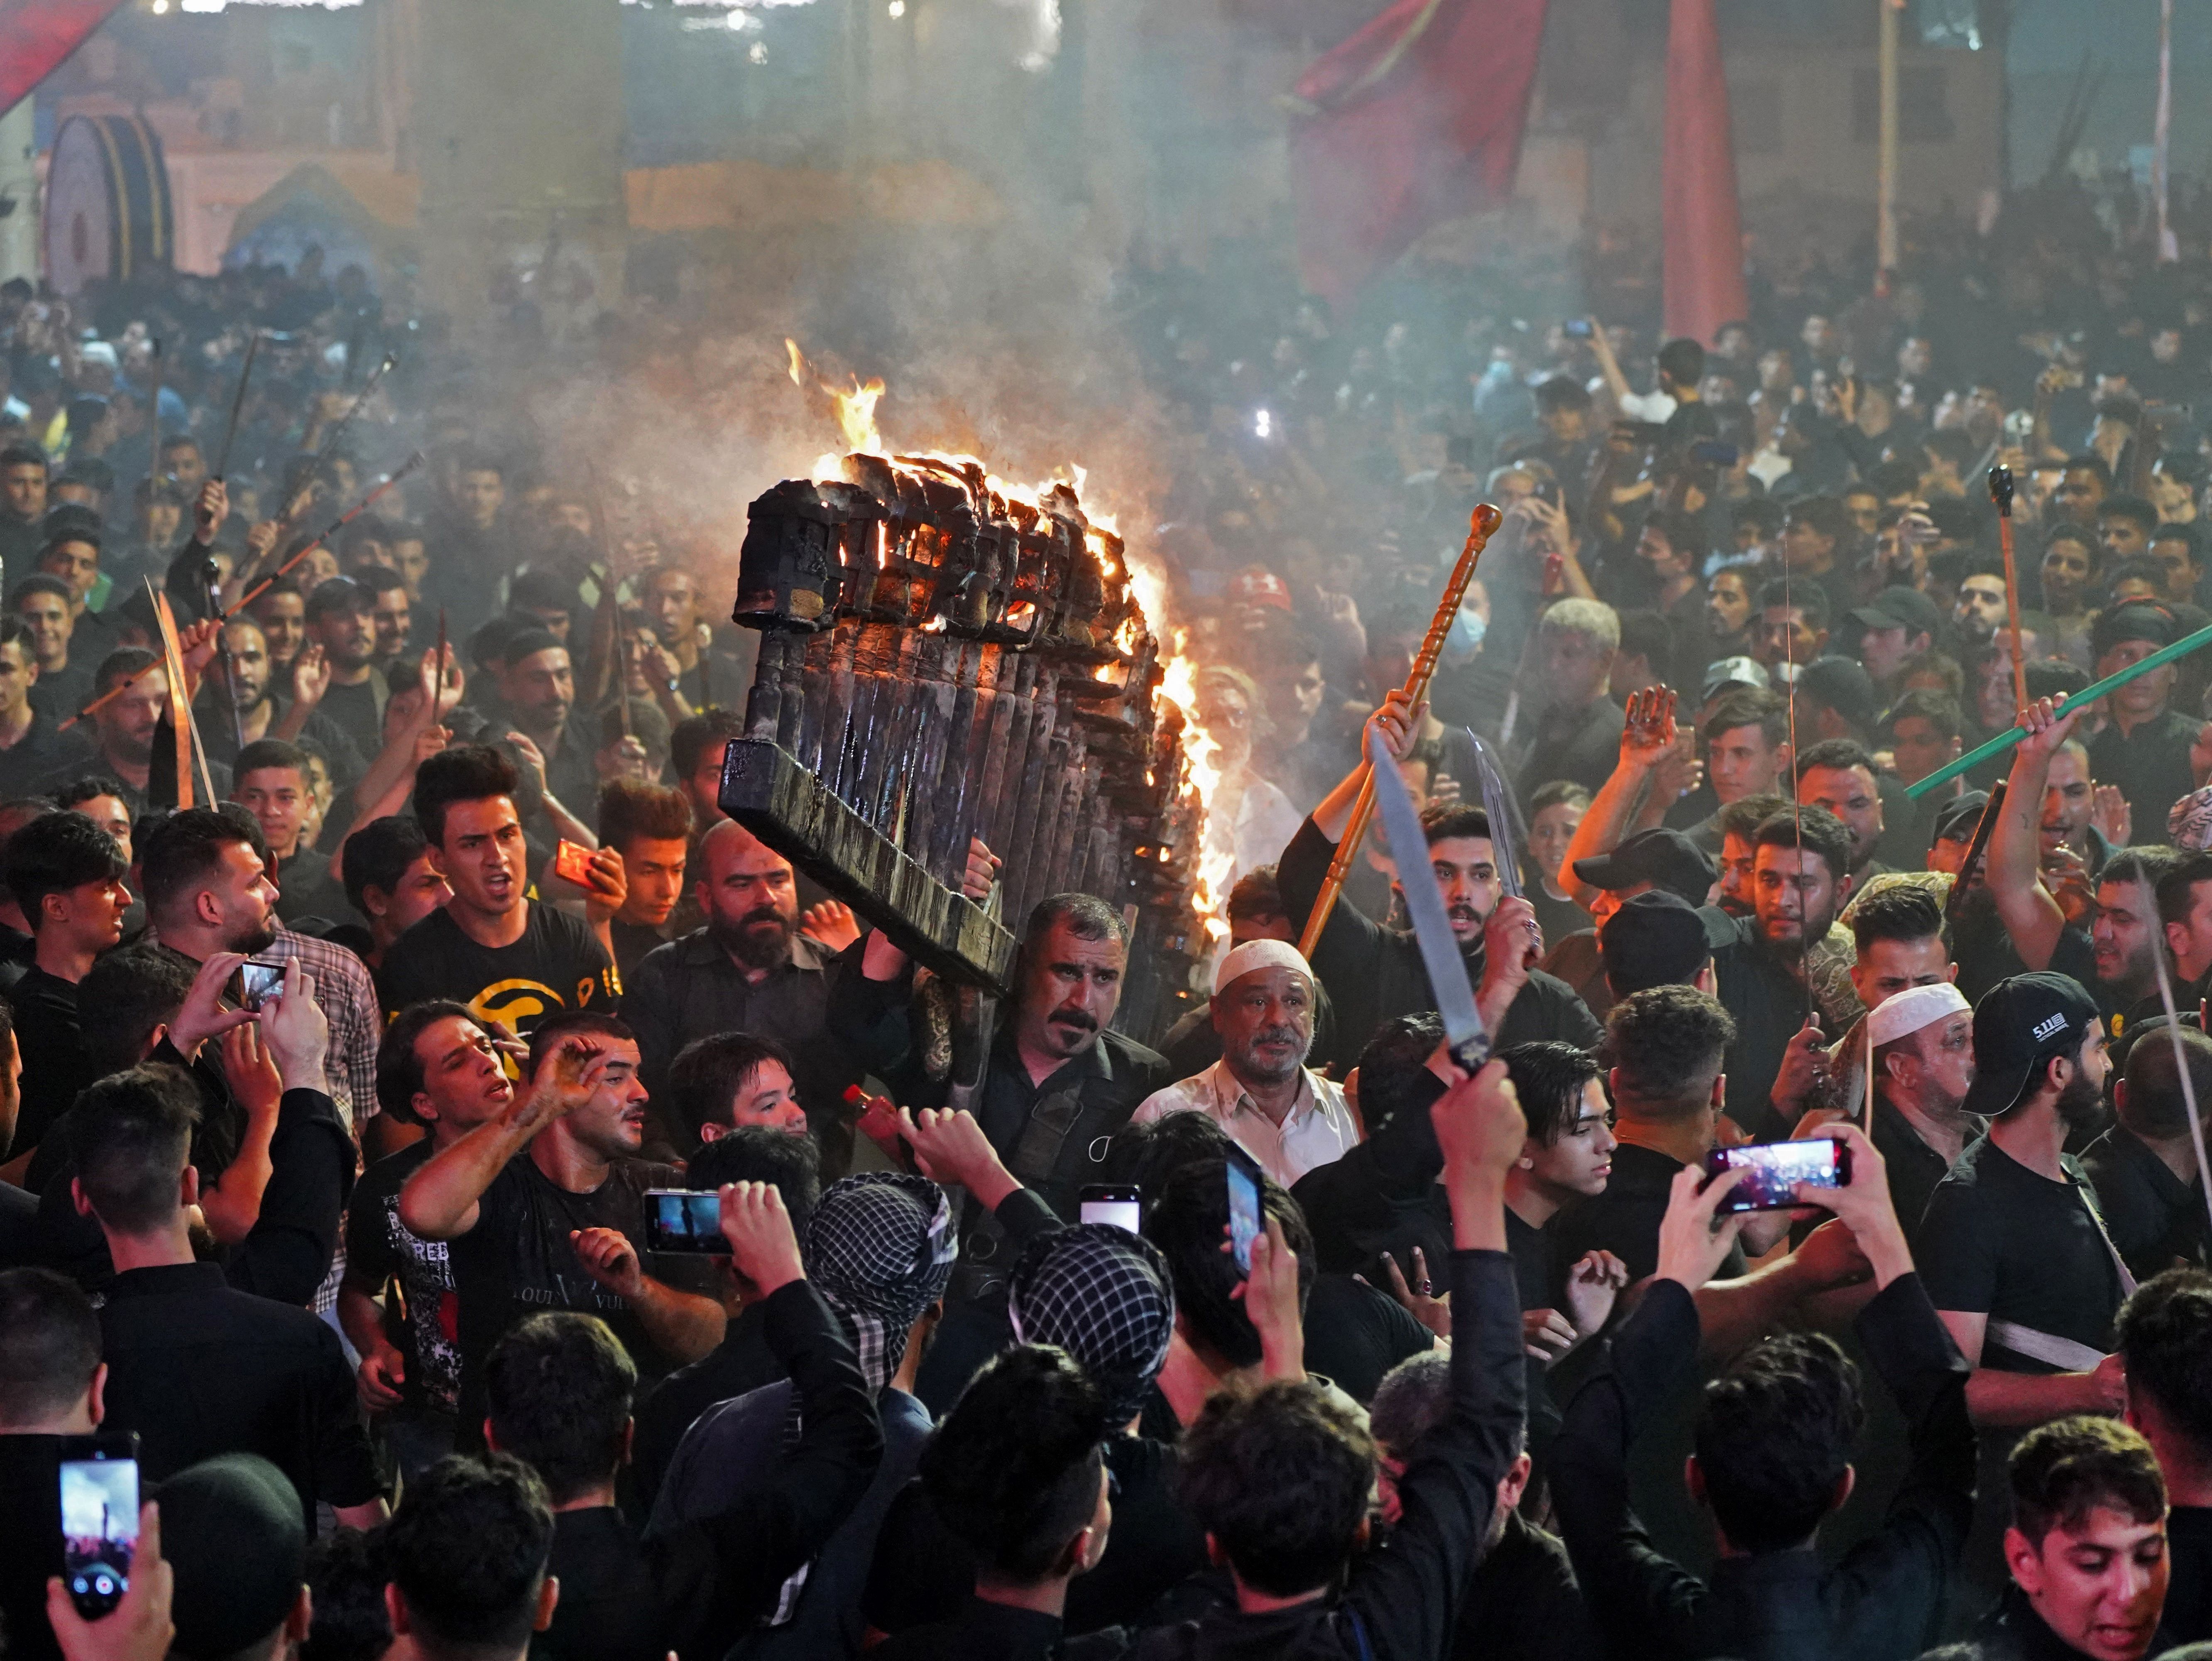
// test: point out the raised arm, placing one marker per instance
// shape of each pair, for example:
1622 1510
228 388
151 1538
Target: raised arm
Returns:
1646 742
439 1200
2031 917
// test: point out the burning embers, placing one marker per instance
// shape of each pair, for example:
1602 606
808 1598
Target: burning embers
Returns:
952 656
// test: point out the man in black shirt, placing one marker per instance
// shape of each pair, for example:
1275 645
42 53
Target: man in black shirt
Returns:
67 874
1018 1475
1801 878
1372 973
438 1071
123 732
22 502
1774 1439
747 970
2144 1168
1923 1067
269 779
509 959
2012 1249
2165 1338
53 1387
2144 752
341 620
33 746
41 605
391 880
197 1366
537 688
1520 1599
651 828
1057 1083
552 1192
1578 733
2125 931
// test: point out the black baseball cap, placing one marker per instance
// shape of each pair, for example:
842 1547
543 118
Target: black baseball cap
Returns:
1956 819
2137 620
233 1532
1662 856
1658 938
1898 607
2019 1024
1842 685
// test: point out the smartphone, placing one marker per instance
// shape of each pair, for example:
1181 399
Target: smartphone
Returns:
1243 1214
99 1493
1777 1167
1577 328
572 863
1118 1205
685 1220
260 980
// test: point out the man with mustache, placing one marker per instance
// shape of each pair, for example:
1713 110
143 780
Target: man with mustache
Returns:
1273 1106
747 969
1373 973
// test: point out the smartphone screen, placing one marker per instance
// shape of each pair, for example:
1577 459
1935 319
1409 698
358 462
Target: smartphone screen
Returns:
99 1530
684 1219
1243 1215
1777 1167
259 981
1113 1204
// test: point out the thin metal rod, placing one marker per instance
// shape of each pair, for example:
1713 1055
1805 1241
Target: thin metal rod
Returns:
237 405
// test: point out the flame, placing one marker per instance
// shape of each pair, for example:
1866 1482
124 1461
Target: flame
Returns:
856 414
1200 774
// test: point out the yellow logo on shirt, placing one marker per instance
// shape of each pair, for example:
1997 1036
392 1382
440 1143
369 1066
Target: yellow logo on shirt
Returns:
515 1002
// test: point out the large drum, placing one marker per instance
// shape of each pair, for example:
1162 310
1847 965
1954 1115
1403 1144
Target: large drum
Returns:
107 210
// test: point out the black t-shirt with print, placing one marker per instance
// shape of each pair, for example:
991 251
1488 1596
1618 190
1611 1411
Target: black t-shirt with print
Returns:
380 1247
526 1263
556 964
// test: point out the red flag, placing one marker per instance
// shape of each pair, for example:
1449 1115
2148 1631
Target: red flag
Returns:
1416 118
1705 235
36 35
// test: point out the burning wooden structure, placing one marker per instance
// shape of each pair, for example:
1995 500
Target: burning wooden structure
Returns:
945 657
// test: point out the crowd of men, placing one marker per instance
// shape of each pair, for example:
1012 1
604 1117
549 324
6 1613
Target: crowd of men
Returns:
349 1115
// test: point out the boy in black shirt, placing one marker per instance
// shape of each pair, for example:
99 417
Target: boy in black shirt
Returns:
67 874
553 1192
508 959
436 1070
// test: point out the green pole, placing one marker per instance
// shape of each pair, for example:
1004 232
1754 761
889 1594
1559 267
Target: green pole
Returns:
2004 741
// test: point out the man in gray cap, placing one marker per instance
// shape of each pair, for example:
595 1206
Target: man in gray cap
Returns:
1899 628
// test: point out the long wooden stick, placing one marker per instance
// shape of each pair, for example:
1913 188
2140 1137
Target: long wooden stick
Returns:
2001 493
1482 524
2090 694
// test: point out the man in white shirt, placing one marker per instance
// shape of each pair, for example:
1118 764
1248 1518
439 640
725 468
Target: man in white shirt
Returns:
1276 1108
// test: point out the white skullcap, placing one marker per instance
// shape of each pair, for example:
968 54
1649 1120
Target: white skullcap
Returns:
1917 1006
1258 954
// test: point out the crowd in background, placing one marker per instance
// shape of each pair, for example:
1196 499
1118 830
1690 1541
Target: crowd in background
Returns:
513 1212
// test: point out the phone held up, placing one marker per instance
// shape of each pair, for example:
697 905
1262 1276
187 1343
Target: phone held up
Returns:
1244 1217
260 980
572 863
99 1513
1777 1168
1118 1205
683 1219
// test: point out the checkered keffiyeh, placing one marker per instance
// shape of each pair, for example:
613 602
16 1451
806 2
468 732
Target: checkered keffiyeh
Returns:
879 1249
1102 1294
2188 825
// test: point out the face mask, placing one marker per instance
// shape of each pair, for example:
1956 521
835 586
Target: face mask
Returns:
1465 639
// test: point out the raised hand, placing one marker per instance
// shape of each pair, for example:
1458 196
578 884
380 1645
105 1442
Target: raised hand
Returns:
202 1016
2110 813
982 871
210 511
1420 1299
608 890
1399 723
1694 1239
762 1247
2046 729
949 1147
311 676
1270 1296
829 925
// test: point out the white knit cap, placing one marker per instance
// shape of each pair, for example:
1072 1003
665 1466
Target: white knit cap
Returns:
1258 954
1917 1006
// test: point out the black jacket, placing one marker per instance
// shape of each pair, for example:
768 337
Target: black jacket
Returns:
1402 1599
695 1590
1373 974
1881 1603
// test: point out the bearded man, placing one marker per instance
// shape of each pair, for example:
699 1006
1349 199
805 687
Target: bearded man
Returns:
748 969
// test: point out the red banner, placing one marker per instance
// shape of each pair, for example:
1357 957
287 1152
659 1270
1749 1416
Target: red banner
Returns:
1704 232
36 35
1417 117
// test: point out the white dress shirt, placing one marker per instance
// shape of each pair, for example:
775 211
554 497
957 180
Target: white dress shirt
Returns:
1318 1130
